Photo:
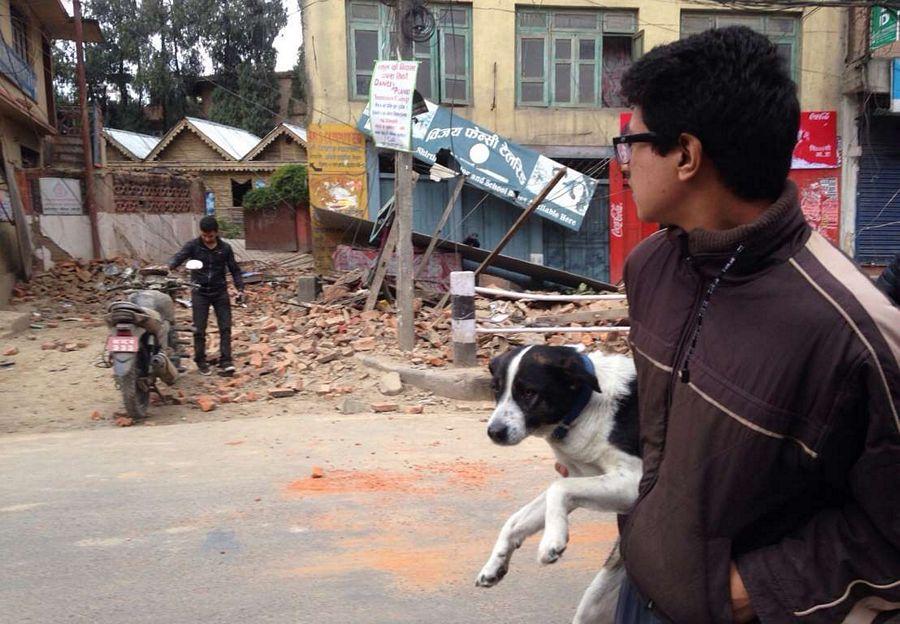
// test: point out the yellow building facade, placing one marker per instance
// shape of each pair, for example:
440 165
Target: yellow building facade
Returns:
494 31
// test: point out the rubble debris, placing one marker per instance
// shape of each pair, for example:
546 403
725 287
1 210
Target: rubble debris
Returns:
308 349
123 421
317 472
390 384
353 406
413 409
96 415
205 402
11 351
385 407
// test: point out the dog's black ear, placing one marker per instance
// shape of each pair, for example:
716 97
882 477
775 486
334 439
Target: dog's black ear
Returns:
577 374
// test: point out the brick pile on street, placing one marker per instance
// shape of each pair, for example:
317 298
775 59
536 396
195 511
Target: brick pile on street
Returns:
287 348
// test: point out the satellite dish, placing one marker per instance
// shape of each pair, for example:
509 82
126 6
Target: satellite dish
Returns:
194 265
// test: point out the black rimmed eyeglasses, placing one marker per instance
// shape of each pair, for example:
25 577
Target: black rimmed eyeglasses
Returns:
622 144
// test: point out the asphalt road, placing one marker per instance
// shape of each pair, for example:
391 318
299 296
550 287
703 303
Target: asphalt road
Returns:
222 522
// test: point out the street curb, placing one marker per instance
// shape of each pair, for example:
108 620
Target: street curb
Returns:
465 384
12 323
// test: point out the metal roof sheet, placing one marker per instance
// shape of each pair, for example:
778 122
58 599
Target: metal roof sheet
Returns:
233 141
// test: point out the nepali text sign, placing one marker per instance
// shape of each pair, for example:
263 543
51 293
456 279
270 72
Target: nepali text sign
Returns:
497 165
884 27
61 196
390 103
816 141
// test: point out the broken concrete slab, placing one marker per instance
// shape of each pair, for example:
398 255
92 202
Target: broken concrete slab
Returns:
353 406
462 384
390 384
12 323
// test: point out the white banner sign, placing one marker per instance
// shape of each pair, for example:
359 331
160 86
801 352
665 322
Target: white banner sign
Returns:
61 196
390 103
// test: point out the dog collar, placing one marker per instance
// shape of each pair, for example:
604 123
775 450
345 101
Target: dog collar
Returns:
581 401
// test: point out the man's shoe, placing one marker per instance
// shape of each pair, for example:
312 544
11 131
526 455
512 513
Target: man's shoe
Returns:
226 369
204 368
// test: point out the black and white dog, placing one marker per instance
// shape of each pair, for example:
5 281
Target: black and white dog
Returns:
585 406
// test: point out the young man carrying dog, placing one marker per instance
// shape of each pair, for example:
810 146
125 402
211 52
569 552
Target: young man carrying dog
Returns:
768 375
212 290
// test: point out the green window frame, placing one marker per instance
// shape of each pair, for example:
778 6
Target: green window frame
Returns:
445 70
783 29
19 25
560 58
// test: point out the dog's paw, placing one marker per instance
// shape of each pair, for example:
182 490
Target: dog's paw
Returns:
551 549
491 574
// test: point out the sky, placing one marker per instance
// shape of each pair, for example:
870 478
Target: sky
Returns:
288 41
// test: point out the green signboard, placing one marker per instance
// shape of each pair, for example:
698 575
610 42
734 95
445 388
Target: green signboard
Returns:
883 27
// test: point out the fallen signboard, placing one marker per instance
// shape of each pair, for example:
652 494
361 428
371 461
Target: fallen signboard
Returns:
497 165
356 229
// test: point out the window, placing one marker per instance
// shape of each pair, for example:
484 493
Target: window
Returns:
238 190
20 34
782 29
445 65
573 58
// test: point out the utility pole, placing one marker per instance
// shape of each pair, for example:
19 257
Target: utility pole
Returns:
403 190
85 129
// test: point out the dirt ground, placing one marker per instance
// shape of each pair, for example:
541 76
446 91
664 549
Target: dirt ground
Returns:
51 390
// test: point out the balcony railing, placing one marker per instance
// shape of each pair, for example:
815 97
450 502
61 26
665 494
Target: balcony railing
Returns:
17 70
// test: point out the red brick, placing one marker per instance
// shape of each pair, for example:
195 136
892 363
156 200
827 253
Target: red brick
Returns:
317 472
385 407
10 351
364 344
413 409
206 402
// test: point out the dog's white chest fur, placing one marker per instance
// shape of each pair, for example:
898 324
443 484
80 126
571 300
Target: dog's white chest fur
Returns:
601 474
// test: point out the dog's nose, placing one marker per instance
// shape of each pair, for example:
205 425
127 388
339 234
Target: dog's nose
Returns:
498 432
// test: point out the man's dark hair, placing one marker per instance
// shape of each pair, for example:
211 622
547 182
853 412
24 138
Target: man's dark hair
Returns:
209 224
730 89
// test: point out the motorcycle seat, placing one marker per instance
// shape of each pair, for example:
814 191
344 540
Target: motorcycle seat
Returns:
131 307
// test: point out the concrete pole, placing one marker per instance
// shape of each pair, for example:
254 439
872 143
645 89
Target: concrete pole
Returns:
403 192
462 323
85 130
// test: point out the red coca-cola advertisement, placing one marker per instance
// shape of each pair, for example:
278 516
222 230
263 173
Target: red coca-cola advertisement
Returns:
817 146
815 169
625 229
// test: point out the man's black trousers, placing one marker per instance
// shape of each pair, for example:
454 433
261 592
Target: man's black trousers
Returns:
201 301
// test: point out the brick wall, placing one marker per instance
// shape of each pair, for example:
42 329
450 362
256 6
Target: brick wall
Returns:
155 193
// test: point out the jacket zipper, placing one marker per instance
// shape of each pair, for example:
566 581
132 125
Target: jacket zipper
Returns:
670 390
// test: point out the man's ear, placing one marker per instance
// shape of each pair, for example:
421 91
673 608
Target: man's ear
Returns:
690 156
575 373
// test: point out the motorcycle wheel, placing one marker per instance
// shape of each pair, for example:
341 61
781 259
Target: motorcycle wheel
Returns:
136 399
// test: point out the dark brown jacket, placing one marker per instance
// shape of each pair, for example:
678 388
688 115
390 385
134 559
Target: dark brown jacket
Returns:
781 447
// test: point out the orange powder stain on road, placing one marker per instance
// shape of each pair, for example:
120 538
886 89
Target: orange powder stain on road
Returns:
352 481
423 479
419 555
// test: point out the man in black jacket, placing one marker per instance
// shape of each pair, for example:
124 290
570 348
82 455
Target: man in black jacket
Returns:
889 280
212 290
768 364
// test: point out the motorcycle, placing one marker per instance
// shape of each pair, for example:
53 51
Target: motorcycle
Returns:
143 345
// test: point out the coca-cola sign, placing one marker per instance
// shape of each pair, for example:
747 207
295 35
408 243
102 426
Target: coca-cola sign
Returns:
817 145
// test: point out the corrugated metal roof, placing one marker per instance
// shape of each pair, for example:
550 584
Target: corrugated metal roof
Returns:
300 131
233 141
138 144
